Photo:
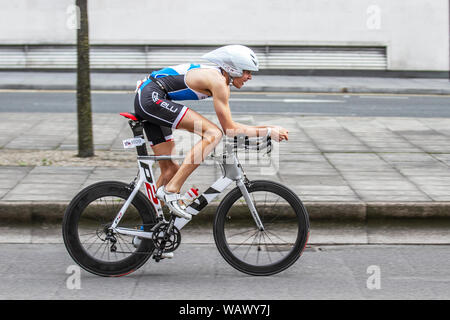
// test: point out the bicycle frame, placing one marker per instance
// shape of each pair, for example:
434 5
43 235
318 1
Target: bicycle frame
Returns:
231 172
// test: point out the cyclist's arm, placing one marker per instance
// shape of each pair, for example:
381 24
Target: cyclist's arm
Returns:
221 93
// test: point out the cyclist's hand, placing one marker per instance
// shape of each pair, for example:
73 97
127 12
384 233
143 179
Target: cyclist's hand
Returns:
279 134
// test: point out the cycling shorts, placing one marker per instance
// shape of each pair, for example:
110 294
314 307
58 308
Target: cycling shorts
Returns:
162 115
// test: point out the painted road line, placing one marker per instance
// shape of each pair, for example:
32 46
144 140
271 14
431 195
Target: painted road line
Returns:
286 100
383 97
312 100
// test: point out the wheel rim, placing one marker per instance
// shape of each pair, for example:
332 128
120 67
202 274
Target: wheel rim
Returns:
262 248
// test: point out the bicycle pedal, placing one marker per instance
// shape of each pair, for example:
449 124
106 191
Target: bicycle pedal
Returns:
167 255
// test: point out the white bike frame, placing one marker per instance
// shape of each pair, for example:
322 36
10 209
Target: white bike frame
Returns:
231 173
231 170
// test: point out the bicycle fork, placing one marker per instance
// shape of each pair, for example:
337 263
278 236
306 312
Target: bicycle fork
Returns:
235 172
250 204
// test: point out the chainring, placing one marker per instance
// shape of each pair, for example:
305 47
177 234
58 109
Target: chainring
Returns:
170 242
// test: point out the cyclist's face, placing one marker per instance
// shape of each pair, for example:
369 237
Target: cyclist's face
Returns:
239 82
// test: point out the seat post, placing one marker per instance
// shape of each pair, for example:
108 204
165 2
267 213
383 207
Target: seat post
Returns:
138 132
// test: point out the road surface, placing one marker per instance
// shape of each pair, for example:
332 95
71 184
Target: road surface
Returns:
46 271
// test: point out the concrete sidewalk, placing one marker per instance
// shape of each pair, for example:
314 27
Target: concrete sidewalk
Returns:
259 83
341 167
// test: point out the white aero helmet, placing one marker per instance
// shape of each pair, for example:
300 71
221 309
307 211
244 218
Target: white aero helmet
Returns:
234 59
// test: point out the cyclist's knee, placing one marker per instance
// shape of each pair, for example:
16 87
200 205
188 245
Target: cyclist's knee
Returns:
213 134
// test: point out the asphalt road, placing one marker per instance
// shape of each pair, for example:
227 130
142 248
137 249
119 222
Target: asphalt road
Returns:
45 271
358 105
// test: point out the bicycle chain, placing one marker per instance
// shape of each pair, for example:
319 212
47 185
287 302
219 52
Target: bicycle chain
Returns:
163 241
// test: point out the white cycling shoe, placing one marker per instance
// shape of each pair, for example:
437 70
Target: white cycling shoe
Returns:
171 200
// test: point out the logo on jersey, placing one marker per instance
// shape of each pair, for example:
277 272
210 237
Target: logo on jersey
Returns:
163 104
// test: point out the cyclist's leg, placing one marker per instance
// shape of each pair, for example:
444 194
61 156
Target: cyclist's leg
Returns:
211 135
151 104
168 167
162 143
162 115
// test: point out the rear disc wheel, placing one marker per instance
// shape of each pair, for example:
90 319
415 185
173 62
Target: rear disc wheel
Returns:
89 239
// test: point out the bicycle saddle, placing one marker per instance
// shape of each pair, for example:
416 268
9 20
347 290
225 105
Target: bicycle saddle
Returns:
132 116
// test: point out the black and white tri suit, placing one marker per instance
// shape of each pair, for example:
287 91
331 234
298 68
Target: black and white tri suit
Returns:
155 104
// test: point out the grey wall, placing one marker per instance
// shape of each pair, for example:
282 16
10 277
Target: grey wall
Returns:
416 32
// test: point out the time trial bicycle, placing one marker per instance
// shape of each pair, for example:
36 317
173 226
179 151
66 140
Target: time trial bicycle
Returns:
112 228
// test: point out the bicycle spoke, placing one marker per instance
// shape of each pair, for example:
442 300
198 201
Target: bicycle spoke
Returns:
275 204
250 246
239 233
87 234
267 248
105 247
125 242
286 242
274 245
246 240
123 252
258 250
93 236
90 235
94 242
265 201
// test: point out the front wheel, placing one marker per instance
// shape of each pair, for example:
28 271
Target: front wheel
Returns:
261 252
87 235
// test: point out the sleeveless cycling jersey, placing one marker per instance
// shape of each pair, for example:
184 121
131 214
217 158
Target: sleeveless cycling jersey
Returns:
154 102
173 79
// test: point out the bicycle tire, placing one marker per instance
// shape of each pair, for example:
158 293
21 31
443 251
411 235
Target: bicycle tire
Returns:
79 205
224 216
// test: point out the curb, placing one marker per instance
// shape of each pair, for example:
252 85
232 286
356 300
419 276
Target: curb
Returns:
28 212
342 90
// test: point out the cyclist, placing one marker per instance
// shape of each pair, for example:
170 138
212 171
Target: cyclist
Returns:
233 65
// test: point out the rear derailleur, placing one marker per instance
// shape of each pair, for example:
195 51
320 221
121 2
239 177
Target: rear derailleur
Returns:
111 238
